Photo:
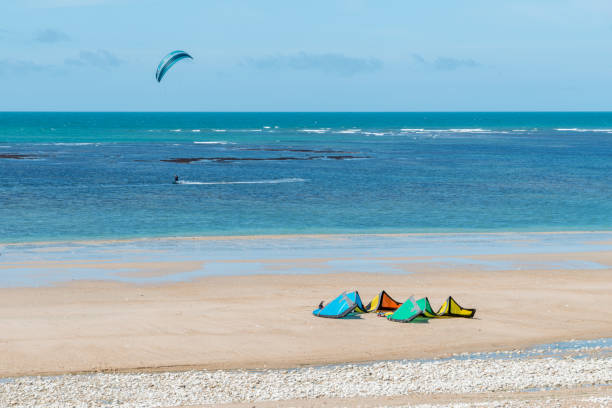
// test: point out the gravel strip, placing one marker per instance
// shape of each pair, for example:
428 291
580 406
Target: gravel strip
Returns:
390 378
546 403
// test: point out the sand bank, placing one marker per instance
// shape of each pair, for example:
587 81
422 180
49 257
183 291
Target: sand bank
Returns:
265 321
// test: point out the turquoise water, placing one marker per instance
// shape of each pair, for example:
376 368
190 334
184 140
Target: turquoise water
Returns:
68 176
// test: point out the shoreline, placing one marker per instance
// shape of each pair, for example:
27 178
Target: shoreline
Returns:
467 354
305 235
157 261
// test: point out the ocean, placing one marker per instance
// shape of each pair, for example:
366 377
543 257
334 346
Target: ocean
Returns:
82 176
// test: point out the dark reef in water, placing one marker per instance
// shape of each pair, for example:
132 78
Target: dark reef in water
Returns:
183 159
233 159
17 156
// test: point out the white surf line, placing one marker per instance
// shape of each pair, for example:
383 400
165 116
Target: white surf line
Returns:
221 142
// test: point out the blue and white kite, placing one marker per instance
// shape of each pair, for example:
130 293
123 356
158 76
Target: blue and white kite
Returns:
168 61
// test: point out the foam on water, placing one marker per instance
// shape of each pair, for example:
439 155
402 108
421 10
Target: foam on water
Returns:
584 130
470 130
458 130
73 144
319 131
276 181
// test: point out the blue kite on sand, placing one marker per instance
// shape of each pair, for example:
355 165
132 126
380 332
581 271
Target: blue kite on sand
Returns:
341 306
168 61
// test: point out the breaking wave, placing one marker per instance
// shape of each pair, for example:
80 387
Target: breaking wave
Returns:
455 130
321 130
470 130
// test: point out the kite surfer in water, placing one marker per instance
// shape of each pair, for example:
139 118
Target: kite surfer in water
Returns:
176 179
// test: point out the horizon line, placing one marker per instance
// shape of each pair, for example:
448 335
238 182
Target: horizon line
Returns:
305 111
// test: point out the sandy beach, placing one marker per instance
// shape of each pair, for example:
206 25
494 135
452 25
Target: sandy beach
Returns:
263 321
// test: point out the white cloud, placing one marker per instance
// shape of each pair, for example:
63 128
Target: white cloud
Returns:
100 59
337 64
446 63
24 67
50 35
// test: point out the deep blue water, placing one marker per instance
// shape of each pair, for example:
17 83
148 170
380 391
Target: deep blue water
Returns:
103 175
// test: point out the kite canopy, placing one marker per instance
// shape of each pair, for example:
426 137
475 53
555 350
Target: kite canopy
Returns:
342 306
407 312
168 61
382 301
426 308
452 309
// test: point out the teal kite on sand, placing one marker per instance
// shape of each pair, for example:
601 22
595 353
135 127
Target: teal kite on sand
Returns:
407 312
168 61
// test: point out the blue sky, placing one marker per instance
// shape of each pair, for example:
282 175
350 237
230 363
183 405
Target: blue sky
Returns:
327 55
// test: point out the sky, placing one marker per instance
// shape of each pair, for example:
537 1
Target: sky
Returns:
318 55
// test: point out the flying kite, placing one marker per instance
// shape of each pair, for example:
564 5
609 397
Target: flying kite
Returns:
168 61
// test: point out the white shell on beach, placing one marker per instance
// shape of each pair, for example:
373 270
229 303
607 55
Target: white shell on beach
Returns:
389 378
